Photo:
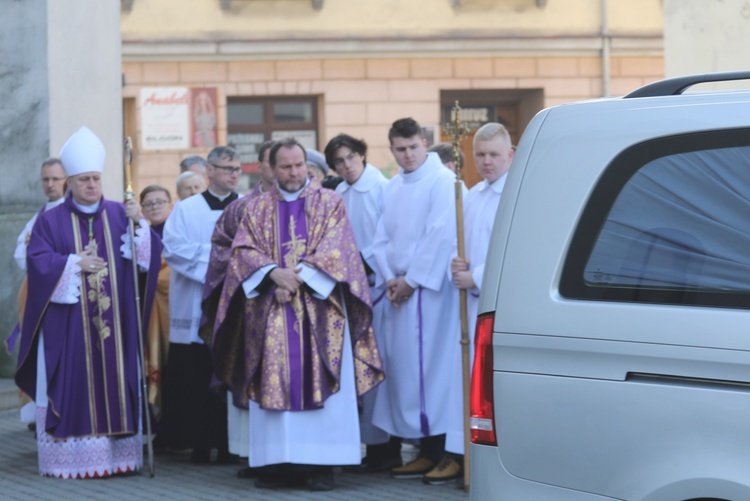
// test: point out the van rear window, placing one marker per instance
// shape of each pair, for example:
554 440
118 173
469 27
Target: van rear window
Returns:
669 222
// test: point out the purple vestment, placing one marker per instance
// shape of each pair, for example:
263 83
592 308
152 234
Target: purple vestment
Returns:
288 357
91 347
221 247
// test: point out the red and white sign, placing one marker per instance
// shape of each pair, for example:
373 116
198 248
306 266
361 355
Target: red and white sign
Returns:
165 118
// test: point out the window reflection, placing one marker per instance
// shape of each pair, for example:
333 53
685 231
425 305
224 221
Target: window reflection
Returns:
292 112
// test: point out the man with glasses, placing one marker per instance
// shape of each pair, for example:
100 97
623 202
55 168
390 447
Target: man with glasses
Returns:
193 416
221 246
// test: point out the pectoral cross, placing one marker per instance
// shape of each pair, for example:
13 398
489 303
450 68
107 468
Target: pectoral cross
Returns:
296 246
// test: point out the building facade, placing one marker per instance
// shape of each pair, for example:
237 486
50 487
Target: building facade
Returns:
243 71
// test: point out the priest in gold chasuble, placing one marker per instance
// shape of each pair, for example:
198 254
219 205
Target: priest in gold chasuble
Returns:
306 349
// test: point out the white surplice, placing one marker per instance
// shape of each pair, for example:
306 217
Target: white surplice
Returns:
327 436
480 208
20 253
187 247
364 205
414 240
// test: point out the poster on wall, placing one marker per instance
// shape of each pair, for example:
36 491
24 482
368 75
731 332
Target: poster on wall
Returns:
203 113
165 118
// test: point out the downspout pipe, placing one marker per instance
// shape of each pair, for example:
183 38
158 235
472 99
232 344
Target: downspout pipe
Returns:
605 50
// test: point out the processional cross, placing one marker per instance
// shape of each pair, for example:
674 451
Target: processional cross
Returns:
457 131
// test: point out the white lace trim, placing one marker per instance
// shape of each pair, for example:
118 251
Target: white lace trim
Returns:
67 290
142 245
85 457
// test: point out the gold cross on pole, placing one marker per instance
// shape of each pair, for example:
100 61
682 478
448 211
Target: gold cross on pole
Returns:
457 131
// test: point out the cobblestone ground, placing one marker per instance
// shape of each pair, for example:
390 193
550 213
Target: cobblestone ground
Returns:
177 478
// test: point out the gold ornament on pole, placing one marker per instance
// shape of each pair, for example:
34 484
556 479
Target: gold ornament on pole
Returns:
130 195
458 131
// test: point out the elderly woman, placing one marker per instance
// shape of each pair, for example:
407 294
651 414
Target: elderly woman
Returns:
190 183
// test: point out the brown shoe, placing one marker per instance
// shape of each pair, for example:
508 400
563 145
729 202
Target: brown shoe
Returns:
448 470
413 469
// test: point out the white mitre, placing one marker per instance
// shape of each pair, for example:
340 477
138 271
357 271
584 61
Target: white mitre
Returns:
82 152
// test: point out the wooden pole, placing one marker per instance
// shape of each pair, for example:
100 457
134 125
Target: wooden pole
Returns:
129 195
457 131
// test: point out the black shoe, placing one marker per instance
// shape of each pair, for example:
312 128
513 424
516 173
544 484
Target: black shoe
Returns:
321 480
279 481
374 466
200 456
248 472
226 457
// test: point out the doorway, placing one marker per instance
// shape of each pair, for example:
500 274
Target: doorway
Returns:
512 108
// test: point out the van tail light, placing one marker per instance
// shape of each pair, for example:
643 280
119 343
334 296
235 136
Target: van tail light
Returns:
481 404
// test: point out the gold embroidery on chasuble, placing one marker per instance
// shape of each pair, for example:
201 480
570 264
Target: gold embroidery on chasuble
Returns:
297 246
86 329
97 292
115 303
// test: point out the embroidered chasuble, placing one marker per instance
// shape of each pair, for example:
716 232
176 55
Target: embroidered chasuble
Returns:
221 248
288 356
90 347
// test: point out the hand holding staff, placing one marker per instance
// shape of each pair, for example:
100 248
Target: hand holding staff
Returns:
133 211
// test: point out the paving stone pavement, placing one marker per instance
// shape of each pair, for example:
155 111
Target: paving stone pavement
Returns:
176 478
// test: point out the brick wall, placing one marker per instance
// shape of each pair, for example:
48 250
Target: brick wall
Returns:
362 97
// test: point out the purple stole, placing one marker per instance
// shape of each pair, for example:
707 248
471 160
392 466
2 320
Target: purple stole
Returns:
292 242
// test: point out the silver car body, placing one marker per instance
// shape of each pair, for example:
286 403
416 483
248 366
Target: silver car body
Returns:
612 398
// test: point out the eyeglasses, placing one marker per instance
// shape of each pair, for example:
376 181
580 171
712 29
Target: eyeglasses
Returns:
340 161
155 204
227 168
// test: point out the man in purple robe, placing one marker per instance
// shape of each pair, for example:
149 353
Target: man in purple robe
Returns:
293 337
78 357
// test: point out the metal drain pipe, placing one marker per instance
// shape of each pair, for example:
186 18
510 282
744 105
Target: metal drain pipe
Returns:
605 50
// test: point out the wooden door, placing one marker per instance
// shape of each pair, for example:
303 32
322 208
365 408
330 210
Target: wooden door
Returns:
506 114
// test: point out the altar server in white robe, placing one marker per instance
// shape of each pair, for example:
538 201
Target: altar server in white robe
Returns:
412 248
493 155
193 416
362 190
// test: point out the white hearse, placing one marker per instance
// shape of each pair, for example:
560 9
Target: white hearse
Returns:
613 346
